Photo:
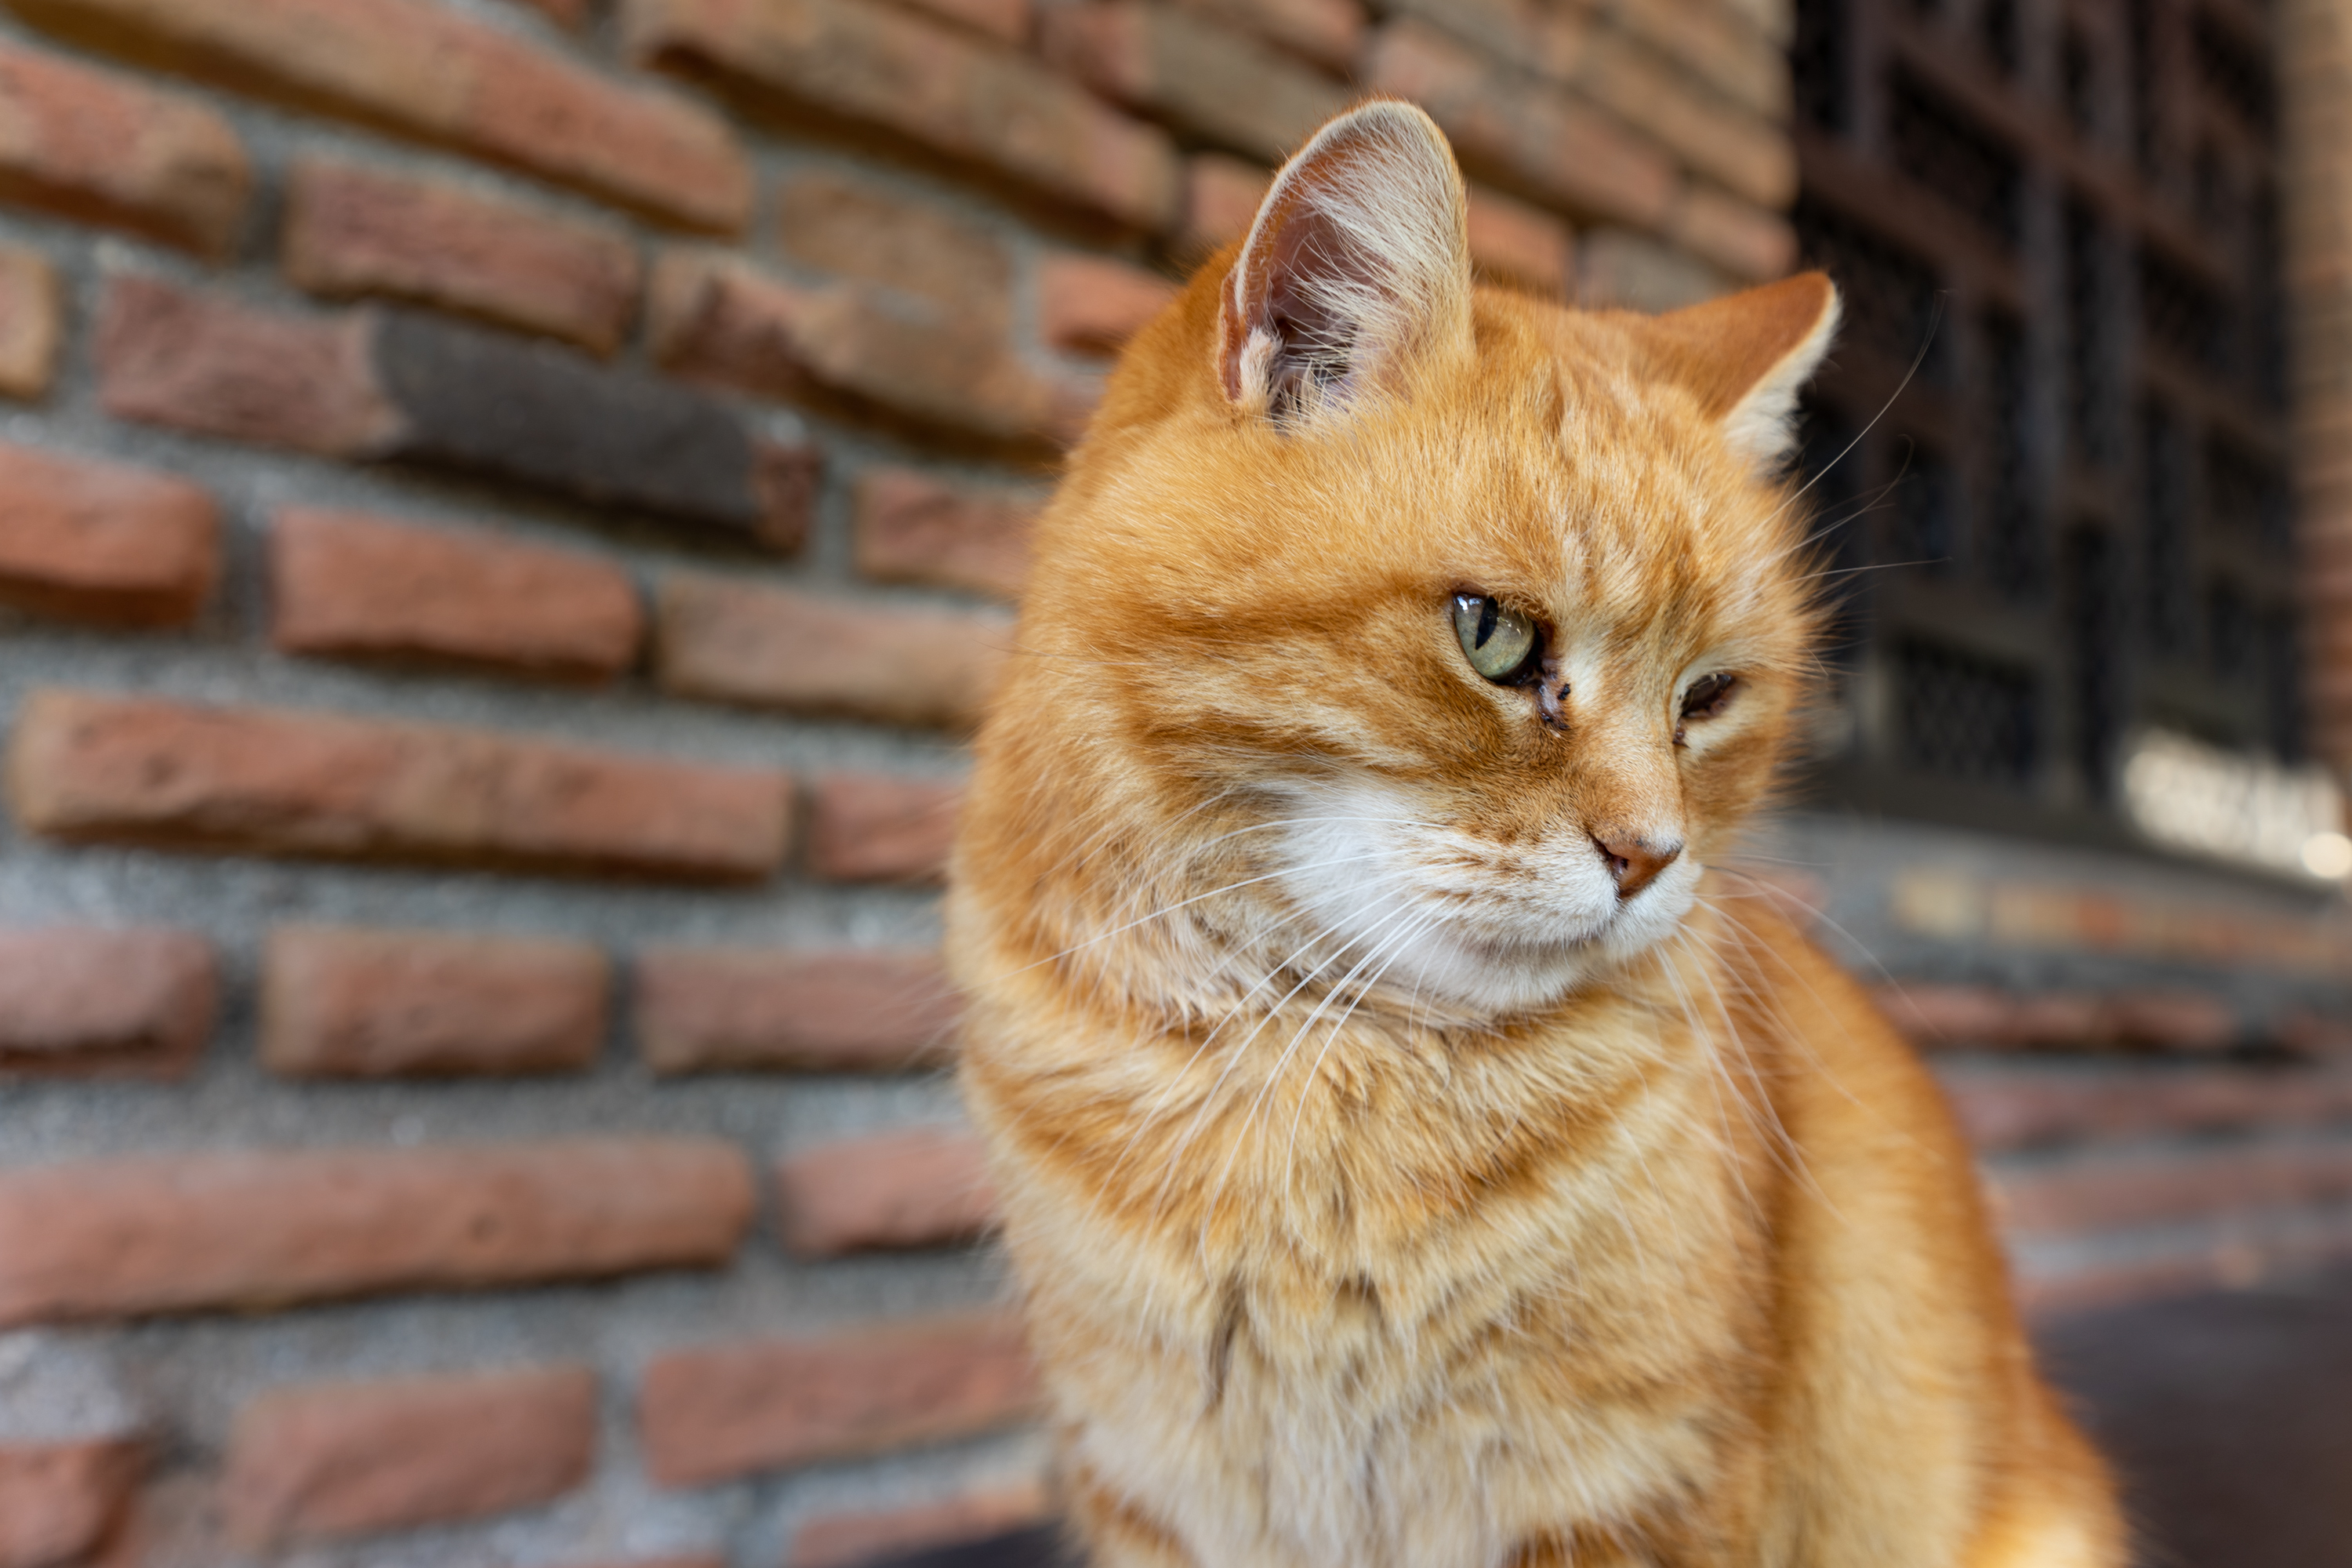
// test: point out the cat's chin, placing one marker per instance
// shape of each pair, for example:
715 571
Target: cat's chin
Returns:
1482 975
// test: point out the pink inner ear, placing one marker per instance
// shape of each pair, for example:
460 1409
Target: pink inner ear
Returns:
1280 286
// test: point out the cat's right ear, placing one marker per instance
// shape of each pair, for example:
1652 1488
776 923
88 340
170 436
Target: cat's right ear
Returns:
1359 258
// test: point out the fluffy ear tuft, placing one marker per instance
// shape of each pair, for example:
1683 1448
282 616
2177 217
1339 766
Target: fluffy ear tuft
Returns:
1746 355
1358 258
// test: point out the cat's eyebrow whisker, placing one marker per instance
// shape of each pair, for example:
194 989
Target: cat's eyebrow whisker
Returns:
1934 322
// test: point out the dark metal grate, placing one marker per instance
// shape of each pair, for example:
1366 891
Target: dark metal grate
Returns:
2179 312
1949 154
1965 717
2070 523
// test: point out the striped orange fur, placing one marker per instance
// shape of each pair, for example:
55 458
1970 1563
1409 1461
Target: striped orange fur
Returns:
1416 1150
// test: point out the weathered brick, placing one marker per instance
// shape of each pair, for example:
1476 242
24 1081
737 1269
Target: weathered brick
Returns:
911 528
878 828
1193 72
1328 32
713 1413
744 1009
849 1539
32 322
352 585
1725 49
869 828
2089 1193
853 348
1985 1016
2005 1105
878 67
322 1460
79 999
542 416
835 224
101 148
1005 19
110 1238
1617 269
399 384
428 72
926 1186
1746 154
1221 200
91 540
817 653
267 781
59 1501
1518 132
1514 243
338 1002
1742 238
353 229
173 356
1092 304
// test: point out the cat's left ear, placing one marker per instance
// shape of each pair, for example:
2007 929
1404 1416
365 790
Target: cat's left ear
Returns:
1358 258
1746 355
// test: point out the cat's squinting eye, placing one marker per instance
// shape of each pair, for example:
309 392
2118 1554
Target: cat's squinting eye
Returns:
1499 642
1707 696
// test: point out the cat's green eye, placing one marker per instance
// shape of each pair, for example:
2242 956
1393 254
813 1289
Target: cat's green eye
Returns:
1498 641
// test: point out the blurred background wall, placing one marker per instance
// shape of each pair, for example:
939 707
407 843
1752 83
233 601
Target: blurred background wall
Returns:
507 507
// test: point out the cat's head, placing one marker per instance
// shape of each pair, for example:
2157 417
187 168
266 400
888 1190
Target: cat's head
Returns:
1468 625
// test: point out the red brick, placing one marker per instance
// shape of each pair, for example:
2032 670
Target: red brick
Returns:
59 1501
270 781
867 827
32 322
348 583
1193 72
101 148
1092 304
1725 49
1328 32
200 362
1221 200
2172 1020
77 999
425 72
563 12
879 67
1744 152
351 1459
850 1539
1521 133
852 347
355 230
912 528
1617 269
1005 19
2010 1106
1983 1016
110 1238
1512 242
1746 240
744 1009
342 1003
90 540
818 653
924 1187
713 1413
2089 1194
838 224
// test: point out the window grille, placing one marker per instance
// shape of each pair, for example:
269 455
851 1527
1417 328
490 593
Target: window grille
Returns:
2073 522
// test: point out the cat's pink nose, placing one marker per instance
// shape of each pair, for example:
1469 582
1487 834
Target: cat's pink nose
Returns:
1635 862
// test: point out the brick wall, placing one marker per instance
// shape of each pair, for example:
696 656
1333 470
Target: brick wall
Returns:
505 510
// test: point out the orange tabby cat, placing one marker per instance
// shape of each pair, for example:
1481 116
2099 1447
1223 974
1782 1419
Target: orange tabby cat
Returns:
1413 1154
